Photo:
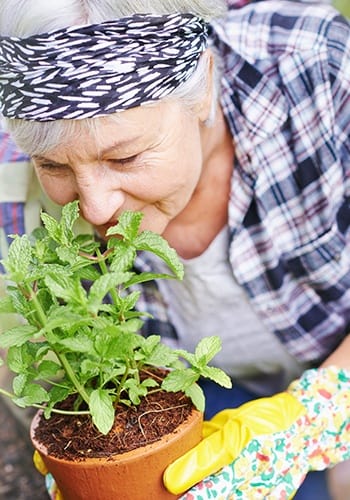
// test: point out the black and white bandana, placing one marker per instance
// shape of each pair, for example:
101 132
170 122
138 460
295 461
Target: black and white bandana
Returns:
94 70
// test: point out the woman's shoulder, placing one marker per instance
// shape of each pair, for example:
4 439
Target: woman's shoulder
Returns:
272 27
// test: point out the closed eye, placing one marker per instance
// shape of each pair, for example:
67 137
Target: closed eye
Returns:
52 166
124 161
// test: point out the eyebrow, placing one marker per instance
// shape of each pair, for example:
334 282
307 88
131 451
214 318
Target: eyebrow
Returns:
106 151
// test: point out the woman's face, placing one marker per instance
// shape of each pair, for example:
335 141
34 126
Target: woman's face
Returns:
149 160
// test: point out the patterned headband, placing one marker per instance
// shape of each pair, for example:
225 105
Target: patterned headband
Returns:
94 70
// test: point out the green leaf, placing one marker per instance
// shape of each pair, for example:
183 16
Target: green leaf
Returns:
156 353
179 380
102 286
6 305
70 213
132 325
156 244
66 288
110 345
135 391
51 225
129 302
89 368
122 257
62 317
19 359
102 410
47 369
19 302
207 348
149 382
59 283
195 393
18 384
79 343
217 375
56 394
19 257
144 277
17 336
62 231
69 255
32 394
128 225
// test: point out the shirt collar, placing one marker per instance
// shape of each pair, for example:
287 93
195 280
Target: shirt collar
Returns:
252 103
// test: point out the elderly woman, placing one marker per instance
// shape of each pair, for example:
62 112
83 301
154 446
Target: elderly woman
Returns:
230 132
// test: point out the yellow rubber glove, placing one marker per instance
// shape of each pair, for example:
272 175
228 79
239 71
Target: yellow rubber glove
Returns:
264 448
52 490
227 433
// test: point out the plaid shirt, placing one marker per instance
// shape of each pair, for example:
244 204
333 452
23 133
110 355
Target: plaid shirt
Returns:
286 97
11 211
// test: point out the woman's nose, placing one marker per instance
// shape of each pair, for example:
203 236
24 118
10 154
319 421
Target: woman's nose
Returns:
99 200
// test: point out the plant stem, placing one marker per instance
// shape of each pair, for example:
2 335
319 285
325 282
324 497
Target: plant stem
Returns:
104 269
62 358
38 307
69 371
62 412
6 393
121 384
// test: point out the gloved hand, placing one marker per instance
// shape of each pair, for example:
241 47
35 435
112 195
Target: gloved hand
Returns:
51 486
265 448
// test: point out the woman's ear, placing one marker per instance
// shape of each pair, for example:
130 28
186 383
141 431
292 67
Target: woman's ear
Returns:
205 106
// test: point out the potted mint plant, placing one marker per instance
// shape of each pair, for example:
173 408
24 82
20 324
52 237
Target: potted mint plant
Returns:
79 358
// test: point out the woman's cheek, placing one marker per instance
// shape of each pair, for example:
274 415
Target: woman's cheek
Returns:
59 189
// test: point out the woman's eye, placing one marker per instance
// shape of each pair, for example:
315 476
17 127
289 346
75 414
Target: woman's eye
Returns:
124 161
49 166
52 168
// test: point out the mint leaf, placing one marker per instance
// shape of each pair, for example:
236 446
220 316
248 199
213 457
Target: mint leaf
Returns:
17 336
154 243
207 348
19 383
52 226
180 380
122 257
102 286
79 343
47 369
20 358
70 214
217 375
102 410
128 225
158 354
6 305
65 287
31 395
19 257
196 394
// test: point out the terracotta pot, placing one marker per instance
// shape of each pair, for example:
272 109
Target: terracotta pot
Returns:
135 475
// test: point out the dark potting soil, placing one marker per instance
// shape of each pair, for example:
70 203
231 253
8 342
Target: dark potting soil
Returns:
74 437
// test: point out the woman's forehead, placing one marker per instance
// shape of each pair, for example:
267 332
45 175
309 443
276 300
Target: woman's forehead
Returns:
127 131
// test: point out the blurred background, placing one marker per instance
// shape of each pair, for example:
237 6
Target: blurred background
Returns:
343 6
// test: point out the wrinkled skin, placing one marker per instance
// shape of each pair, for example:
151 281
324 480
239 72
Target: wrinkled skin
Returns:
160 160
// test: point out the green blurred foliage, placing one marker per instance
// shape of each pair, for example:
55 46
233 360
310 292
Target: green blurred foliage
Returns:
343 6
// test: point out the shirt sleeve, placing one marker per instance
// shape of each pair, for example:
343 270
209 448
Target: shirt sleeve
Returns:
15 178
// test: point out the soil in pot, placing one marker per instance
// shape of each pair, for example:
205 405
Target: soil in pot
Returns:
156 429
76 438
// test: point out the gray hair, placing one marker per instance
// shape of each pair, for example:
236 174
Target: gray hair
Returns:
23 18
